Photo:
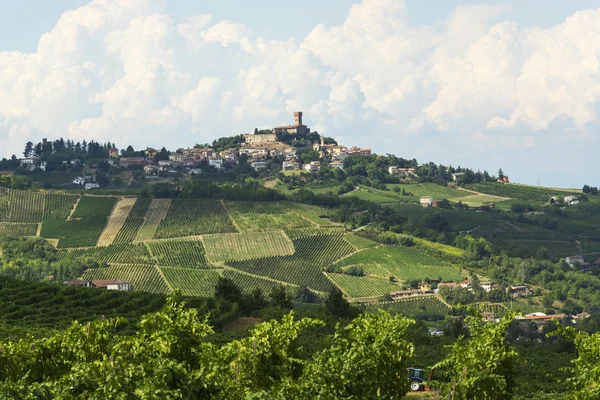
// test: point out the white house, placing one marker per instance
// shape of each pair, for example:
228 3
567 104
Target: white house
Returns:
259 164
337 164
487 286
290 165
426 201
120 286
89 186
571 260
216 162
313 166
569 199
80 180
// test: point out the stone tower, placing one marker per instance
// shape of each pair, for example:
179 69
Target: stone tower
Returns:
298 118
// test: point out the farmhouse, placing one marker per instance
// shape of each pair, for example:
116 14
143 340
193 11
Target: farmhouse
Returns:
177 157
89 186
113 284
572 260
399 294
313 166
426 201
259 164
518 291
290 165
78 283
337 164
113 152
504 179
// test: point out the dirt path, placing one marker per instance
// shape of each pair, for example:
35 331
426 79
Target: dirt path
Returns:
116 220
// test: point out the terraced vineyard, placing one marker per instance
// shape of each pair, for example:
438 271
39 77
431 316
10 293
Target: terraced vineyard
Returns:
401 262
134 221
190 217
305 266
116 221
192 282
359 242
21 206
116 253
264 217
187 253
247 246
248 282
17 229
143 277
157 211
363 286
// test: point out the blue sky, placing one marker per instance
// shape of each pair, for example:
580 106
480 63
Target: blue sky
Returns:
511 84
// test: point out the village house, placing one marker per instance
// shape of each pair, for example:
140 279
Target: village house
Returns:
518 291
113 152
253 139
290 165
80 180
337 164
113 284
89 186
596 264
150 170
177 157
78 283
426 201
393 170
357 151
297 128
404 172
28 163
258 164
150 152
488 286
202 153
572 261
129 161
436 204
229 155
466 284
488 316
571 199
504 179
216 162
400 294
313 166
447 285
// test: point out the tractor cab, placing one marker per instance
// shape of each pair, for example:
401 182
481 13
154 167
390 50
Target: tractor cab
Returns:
418 379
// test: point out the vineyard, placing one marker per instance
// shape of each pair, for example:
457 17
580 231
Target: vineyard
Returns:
178 253
316 215
76 233
513 191
190 217
438 192
157 211
21 206
94 207
134 221
116 221
359 242
142 277
246 246
58 206
401 262
18 229
314 231
264 217
113 254
363 286
305 266
248 282
192 282
552 249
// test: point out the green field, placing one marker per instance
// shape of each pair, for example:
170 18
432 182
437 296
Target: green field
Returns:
192 282
401 262
178 253
76 233
305 266
113 254
438 192
190 217
58 206
264 217
94 207
247 246
248 282
317 215
527 193
17 229
142 277
414 306
363 286
359 242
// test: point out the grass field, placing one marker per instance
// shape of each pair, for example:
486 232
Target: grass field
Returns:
192 282
264 217
189 217
305 266
363 286
155 214
528 193
246 246
438 192
401 262
142 277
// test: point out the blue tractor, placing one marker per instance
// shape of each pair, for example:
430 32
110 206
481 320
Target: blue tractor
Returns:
418 380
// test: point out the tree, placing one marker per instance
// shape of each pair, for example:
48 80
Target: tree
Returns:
305 295
227 290
337 305
280 298
28 149
484 366
500 173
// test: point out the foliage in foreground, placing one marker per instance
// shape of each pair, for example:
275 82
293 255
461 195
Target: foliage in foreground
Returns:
170 358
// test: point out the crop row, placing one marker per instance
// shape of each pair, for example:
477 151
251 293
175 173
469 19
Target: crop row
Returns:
94 207
363 286
76 233
192 282
116 253
359 242
28 206
116 221
18 229
264 217
142 277
248 283
305 266
244 246
189 217
179 253
415 306
134 221
157 211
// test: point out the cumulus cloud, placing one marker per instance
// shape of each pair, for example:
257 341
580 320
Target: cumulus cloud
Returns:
477 90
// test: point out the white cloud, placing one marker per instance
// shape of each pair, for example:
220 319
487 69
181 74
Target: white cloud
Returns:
475 91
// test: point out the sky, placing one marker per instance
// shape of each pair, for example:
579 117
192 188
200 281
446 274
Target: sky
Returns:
487 85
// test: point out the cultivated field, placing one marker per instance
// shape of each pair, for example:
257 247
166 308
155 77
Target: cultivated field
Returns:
18 229
191 217
415 306
248 283
113 254
192 282
134 221
157 211
264 217
246 246
401 262
527 193
305 266
116 221
363 286
187 253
